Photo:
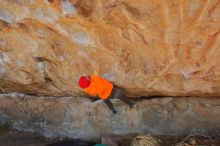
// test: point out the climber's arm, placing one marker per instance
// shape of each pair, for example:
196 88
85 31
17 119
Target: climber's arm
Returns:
94 64
110 105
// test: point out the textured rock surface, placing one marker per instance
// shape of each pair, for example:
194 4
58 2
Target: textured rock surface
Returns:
149 47
79 118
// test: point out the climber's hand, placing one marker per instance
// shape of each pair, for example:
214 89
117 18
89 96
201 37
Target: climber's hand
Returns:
114 111
110 105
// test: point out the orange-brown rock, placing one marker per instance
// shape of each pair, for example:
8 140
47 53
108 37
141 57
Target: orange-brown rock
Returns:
148 47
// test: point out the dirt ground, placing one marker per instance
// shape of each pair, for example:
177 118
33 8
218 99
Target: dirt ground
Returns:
189 140
12 137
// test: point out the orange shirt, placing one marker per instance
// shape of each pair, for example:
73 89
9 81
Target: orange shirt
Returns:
99 86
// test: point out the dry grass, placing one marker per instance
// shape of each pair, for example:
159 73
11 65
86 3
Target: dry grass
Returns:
145 140
190 140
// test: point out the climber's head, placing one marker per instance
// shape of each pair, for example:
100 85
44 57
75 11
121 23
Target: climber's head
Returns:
84 81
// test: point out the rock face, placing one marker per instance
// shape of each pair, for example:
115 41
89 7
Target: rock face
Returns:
148 47
79 118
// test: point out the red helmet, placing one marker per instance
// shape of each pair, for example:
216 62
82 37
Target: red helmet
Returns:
84 82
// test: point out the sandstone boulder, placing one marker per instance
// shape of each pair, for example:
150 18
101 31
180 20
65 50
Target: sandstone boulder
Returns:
80 118
148 47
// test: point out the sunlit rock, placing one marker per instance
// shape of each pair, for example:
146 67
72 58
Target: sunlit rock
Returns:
147 47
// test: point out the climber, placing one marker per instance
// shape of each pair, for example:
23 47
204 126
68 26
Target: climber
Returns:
96 86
